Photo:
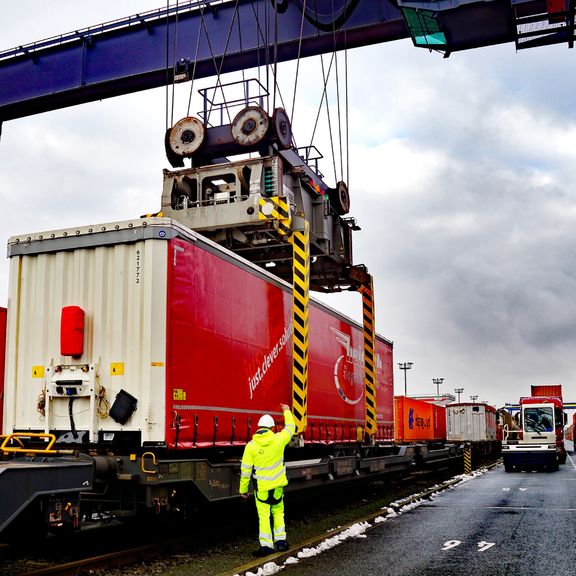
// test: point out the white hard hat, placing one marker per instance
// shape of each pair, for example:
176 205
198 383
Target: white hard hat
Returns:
266 421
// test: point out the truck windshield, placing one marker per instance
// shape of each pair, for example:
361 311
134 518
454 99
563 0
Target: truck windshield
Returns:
538 419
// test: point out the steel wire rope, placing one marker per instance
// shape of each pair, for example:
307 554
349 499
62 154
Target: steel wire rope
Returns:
326 78
219 68
268 63
195 60
321 102
167 95
174 65
347 107
275 67
260 35
298 63
338 106
241 48
329 118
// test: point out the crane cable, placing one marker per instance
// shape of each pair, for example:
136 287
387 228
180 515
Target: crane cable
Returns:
195 60
324 99
298 63
167 60
270 65
170 101
217 68
174 64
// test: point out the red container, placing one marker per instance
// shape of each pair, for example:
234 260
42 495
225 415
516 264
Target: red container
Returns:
229 356
2 360
418 421
549 390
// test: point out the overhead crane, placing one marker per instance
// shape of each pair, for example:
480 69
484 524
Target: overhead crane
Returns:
159 47
204 38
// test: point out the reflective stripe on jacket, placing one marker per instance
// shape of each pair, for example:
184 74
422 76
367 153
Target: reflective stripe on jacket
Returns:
265 455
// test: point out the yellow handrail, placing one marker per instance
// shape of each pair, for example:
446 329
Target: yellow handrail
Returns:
153 462
17 435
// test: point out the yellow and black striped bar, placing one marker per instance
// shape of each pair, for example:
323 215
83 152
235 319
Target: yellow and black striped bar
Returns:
367 292
300 241
467 459
276 208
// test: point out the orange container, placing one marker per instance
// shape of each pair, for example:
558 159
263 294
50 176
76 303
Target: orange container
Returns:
418 421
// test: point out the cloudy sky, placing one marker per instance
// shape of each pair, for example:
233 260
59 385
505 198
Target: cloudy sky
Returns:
462 175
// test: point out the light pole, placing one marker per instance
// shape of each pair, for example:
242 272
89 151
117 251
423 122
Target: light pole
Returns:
438 381
458 391
474 398
405 366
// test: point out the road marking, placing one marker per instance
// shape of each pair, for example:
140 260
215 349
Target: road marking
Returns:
505 489
571 462
482 546
523 489
451 544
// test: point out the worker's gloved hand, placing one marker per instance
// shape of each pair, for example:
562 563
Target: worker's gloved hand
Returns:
244 496
284 407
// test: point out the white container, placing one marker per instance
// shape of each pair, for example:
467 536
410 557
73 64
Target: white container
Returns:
117 274
470 422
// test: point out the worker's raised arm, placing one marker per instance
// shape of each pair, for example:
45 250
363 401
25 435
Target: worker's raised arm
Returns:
289 424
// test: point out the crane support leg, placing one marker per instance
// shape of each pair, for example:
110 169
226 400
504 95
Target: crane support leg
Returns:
367 292
300 241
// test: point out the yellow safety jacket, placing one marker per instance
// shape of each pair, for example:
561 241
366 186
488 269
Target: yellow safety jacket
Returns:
265 454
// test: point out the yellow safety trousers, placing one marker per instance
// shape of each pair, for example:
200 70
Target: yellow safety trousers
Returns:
270 505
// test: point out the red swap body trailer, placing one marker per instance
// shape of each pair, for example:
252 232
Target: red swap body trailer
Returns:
152 352
186 341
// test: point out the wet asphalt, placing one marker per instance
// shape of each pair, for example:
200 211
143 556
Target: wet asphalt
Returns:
520 524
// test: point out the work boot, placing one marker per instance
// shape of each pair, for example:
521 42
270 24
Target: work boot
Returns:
263 551
282 545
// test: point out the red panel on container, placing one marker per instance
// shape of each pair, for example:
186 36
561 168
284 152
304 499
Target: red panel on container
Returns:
418 421
554 6
547 390
72 331
229 354
2 361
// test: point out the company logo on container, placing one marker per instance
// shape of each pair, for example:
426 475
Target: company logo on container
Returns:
421 423
268 359
344 368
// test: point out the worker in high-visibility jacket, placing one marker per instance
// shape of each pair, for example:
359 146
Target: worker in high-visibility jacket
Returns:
263 460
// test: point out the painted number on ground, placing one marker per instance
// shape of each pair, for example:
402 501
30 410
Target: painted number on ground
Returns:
482 546
451 544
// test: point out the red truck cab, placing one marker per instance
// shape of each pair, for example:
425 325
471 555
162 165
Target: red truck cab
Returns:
539 441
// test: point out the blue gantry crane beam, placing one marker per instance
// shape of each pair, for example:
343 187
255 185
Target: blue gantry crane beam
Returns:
206 37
